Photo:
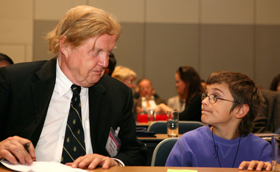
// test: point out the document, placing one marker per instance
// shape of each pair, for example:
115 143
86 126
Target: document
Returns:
41 166
180 170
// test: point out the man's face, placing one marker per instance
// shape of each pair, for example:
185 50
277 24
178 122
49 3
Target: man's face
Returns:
218 114
146 89
85 64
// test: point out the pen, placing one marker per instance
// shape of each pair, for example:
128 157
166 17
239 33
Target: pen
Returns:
26 145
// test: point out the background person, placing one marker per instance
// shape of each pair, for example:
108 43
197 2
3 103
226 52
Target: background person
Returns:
275 84
189 90
5 60
147 100
112 64
229 105
36 98
125 75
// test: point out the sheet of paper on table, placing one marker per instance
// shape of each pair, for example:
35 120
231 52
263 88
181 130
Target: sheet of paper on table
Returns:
41 166
180 170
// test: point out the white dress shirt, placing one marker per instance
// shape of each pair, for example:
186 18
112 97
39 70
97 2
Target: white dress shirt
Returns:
152 103
50 144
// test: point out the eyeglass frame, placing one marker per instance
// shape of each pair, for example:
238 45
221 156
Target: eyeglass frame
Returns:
204 95
144 88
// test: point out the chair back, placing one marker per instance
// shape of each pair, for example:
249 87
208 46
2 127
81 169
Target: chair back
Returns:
162 151
160 127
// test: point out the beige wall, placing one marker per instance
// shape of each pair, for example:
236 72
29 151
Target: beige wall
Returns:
158 36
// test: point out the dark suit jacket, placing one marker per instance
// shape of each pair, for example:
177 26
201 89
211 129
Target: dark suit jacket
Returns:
26 90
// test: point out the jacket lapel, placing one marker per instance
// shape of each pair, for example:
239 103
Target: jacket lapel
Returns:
42 91
99 106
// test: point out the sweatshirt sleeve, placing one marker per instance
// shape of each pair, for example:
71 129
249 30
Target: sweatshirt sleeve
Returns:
266 154
181 155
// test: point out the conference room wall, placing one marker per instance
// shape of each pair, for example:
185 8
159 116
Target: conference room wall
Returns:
158 36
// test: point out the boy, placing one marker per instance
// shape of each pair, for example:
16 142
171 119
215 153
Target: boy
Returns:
229 105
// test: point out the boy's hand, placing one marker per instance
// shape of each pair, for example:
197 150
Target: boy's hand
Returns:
258 165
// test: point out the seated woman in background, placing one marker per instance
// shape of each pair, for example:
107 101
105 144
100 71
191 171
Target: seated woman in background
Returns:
125 75
275 84
189 88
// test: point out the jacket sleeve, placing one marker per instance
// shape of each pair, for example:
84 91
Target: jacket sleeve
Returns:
132 151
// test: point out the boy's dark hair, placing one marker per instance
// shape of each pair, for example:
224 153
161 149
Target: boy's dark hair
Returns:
244 91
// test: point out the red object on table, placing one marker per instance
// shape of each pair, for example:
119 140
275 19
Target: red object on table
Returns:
142 118
161 117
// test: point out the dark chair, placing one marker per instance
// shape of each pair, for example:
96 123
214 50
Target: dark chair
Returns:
160 127
162 151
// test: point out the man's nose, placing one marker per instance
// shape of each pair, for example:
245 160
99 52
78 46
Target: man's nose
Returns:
104 60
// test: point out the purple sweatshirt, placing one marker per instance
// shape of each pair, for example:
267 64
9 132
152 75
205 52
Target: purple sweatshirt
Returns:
196 149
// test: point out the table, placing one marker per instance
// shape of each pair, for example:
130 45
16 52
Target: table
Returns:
142 126
151 143
154 169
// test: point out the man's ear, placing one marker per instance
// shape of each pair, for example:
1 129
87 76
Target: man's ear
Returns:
64 47
242 111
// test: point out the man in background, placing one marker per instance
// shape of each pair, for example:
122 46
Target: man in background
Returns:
147 100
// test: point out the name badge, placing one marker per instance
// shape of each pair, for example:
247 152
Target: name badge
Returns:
113 142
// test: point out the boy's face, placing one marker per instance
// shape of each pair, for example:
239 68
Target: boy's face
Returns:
218 113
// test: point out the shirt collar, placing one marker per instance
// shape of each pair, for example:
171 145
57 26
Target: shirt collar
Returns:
63 83
144 98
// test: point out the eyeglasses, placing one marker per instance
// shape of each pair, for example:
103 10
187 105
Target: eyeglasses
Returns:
143 88
213 98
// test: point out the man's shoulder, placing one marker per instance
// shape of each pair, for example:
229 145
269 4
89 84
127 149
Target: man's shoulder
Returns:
26 66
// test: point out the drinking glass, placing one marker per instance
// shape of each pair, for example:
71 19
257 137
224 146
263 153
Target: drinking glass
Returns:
172 123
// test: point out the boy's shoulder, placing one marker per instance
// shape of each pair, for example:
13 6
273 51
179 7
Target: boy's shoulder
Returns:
256 139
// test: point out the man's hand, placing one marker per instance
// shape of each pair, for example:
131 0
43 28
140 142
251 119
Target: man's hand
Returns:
139 110
258 165
13 150
91 161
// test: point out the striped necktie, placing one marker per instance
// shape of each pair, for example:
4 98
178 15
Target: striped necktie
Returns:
74 142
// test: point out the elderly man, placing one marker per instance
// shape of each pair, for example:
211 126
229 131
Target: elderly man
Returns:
147 100
65 109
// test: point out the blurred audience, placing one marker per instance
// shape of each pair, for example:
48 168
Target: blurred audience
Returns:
111 66
275 84
189 90
147 100
5 60
125 75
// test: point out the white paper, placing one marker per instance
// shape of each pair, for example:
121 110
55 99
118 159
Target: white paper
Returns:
41 166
